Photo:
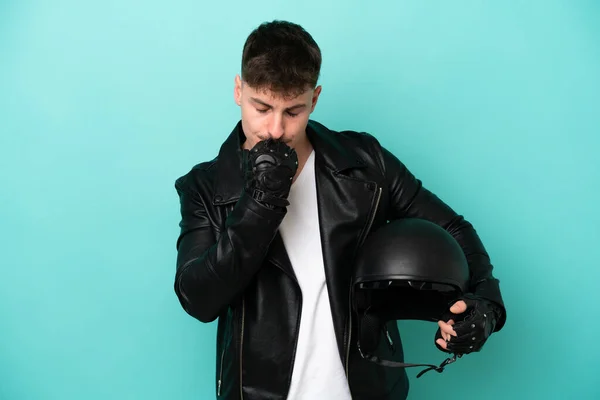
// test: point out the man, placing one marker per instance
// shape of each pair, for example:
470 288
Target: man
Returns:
270 226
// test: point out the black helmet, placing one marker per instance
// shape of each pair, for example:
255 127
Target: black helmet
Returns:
407 269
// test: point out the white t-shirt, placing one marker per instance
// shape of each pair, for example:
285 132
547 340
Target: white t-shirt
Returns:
318 370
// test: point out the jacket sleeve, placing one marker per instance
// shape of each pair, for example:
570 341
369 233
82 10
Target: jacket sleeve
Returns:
213 268
409 198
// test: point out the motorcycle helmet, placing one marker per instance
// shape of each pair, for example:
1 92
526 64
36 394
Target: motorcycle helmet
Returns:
409 269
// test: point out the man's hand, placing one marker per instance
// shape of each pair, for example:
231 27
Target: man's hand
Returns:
269 168
446 329
467 326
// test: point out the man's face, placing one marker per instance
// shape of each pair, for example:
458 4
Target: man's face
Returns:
266 115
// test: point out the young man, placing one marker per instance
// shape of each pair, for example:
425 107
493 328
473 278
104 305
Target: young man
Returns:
270 226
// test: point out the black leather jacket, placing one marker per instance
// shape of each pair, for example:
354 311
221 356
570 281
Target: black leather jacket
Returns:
232 264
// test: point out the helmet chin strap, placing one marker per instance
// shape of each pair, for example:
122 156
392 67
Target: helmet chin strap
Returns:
369 323
394 364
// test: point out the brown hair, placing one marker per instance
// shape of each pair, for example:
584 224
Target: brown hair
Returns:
282 57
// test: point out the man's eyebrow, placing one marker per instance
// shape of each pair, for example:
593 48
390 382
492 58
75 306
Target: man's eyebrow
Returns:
262 103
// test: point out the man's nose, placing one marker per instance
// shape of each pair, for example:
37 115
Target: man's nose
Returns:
276 130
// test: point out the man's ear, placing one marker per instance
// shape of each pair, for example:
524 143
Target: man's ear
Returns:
315 98
237 90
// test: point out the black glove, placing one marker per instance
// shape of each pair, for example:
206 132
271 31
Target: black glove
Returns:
269 168
473 327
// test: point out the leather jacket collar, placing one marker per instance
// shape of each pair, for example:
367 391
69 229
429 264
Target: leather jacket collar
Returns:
328 150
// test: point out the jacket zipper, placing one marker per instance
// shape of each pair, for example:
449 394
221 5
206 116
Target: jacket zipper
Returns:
230 325
221 374
242 346
366 232
228 331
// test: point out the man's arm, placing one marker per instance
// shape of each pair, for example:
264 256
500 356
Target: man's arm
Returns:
212 272
408 198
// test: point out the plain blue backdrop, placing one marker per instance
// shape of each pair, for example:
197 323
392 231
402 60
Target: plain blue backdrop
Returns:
494 105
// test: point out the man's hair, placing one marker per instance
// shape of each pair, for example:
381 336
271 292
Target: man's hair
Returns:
282 57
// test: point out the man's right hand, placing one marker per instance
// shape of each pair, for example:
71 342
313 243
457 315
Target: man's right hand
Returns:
269 169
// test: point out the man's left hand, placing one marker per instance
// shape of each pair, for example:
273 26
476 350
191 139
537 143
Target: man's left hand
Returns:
467 326
446 329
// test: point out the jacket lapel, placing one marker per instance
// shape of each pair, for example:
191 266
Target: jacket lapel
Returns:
346 203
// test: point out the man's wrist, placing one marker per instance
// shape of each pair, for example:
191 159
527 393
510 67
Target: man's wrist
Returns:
269 201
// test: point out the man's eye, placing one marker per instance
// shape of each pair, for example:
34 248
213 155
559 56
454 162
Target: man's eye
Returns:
292 114
261 111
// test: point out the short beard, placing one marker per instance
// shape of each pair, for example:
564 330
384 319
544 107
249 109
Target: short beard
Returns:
284 140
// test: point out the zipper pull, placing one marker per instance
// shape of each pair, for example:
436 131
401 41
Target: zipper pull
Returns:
389 339
219 388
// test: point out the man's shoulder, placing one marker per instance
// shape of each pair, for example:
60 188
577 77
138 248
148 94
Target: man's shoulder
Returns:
361 144
197 176
202 175
346 135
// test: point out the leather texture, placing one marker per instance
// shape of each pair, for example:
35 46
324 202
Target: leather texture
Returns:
232 264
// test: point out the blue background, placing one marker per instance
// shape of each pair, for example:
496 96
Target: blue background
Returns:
494 105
